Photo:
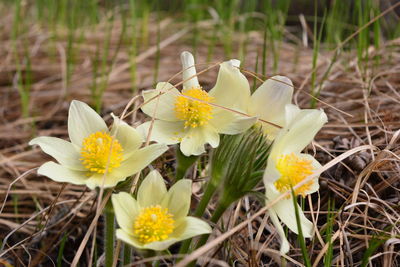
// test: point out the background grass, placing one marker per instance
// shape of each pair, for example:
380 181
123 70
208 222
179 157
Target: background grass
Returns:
105 52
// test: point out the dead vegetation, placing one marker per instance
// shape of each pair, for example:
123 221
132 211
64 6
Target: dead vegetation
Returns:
37 215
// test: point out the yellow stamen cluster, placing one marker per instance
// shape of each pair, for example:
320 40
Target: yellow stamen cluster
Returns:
194 113
293 170
99 151
153 224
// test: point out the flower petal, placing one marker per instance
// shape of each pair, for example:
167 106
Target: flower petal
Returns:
177 200
126 209
189 71
285 246
190 227
227 122
64 152
128 239
61 174
231 82
269 100
151 190
316 165
129 138
195 139
271 174
160 245
83 121
296 136
164 105
284 208
139 160
110 180
165 132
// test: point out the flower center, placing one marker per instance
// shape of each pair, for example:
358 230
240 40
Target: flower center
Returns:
293 170
194 113
153 224
99 151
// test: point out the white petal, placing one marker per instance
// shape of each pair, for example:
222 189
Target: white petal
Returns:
189 71
64 152
165 132
151 190
160 245
190 227
139 160
269 100
164 103
128 239
126 209
232 89
83 121
286 213
104 180
291 111
177 200
285 246
271 174
61 174
300 133
227 122
195 139
127 136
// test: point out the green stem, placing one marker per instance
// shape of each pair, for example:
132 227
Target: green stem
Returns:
208 193
127 254
221 208
183 163
109 234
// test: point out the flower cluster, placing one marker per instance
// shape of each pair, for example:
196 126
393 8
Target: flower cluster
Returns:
155 217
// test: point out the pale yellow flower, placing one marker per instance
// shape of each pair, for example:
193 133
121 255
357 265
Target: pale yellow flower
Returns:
193 123
157 218
287 166
269 102
95 151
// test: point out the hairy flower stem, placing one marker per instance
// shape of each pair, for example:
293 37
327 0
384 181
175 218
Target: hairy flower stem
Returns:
208 193
219 211
109 234
183 163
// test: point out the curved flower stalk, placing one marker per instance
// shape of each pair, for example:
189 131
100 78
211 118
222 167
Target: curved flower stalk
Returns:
268 103
287 166
188 118
157 218
95 151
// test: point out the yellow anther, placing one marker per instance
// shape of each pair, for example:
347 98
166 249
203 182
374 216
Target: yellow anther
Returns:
194 113
99 151
153 224
293 170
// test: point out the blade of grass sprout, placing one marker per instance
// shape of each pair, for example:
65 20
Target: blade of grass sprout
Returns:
61 250
109 234
211 46
264 50
133 47
145 11
329 232
157 59
254 87
317 42
300 236
373 245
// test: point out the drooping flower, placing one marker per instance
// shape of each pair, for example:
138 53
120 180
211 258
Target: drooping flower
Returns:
189 117
268 103
95 152
157 218
287 166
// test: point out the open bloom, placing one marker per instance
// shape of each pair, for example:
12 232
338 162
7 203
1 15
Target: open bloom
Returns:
190 118
287 166
95 153
157 219
268 103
